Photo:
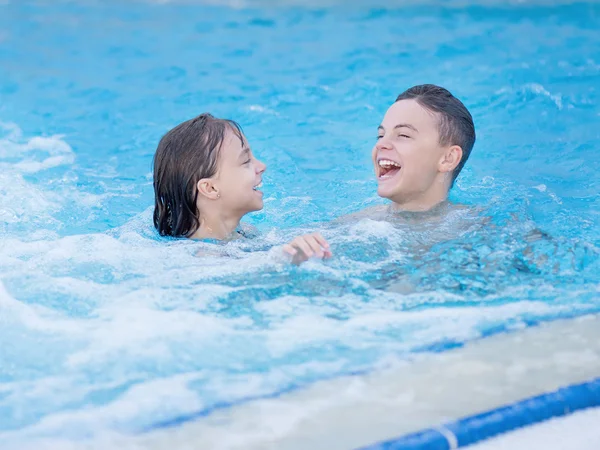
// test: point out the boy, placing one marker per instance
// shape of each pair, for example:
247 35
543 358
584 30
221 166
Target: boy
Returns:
423 143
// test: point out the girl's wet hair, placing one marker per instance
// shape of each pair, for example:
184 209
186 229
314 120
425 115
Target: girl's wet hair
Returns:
186 154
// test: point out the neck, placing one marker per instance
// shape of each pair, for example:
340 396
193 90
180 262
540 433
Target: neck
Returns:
425 201
216 226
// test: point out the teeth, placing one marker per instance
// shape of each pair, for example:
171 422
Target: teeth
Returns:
258 186
387 163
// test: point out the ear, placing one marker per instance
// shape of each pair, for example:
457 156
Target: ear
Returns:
450 159
207 188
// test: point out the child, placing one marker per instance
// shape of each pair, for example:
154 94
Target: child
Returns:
206 179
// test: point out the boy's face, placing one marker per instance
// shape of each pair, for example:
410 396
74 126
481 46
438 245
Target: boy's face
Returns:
408 157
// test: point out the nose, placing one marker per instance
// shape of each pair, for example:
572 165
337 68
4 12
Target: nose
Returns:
383 144
260 166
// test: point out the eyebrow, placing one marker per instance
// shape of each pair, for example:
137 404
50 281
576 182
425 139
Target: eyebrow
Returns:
245 151
401 125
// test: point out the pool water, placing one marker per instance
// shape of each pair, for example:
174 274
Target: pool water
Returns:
105 327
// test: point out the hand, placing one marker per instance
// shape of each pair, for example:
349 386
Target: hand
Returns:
307 246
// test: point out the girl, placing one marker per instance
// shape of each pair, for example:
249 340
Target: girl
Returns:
206 179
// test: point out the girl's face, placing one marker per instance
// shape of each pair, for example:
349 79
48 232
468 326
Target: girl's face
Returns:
239 176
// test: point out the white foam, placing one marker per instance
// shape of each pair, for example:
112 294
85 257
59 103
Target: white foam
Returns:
30 206
263 110
57 151
539 89
138 332
34 317
21 200
151 400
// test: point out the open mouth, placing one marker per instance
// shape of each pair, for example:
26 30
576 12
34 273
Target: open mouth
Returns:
387 168
258 186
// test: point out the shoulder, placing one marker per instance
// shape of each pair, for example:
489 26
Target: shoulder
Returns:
372 212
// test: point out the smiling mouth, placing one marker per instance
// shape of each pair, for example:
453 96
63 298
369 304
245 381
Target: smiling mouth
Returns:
387 168
258 186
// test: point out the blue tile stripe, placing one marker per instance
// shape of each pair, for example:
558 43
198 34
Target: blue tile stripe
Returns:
486 425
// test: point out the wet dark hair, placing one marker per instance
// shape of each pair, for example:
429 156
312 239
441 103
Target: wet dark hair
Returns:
455 121
185 155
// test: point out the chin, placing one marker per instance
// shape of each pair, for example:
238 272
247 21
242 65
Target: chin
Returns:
384 193
257 207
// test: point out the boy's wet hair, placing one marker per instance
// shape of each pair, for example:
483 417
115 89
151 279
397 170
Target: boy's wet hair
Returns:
186 154
455 121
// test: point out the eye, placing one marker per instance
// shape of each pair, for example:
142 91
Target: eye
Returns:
247 162
404 136
379 137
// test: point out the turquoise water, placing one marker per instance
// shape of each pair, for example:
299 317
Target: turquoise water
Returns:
105 327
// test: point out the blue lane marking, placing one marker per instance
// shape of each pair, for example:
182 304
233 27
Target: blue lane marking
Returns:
491 423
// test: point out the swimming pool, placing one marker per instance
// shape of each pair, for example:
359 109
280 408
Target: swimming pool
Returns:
106 328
